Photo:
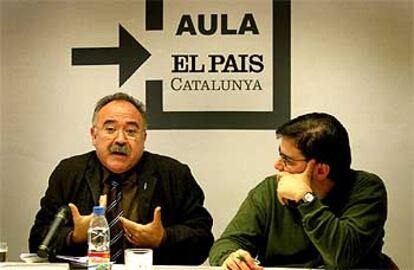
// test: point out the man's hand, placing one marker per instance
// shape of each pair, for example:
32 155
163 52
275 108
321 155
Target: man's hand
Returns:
294 186
81 223
149 235
241 260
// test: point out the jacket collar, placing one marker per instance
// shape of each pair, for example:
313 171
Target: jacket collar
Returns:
147 180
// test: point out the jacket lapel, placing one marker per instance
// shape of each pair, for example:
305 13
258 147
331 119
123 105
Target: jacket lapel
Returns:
147 182
93 179
145 194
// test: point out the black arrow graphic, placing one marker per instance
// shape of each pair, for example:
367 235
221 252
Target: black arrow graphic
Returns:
130 55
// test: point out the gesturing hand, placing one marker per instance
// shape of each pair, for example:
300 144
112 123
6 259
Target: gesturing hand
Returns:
148 235
81 222
293 186
241 260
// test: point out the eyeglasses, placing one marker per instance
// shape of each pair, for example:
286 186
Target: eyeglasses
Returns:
110 131
288 161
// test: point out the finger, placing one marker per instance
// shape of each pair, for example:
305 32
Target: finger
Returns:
157 215
229 263
232 264
243 264
74 210
281 175
250 263
278 176
279 195
258 267
102 200
130 238
280 199
247 259
227 266
125 222
129 225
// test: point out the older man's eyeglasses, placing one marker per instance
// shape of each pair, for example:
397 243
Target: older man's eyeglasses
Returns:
132 133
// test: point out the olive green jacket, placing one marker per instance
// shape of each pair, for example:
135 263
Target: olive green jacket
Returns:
344 230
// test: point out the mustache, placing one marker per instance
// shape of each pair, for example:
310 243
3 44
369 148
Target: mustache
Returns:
119 149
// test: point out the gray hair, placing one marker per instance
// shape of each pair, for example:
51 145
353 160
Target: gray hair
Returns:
120 96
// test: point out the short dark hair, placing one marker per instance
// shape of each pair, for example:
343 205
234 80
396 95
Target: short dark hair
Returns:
322 137
120 96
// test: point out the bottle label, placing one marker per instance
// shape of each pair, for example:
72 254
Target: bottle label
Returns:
99 260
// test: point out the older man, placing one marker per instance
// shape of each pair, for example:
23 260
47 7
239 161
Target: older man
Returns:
159 203
316 212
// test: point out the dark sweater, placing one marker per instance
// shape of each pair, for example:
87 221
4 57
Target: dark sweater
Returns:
344 230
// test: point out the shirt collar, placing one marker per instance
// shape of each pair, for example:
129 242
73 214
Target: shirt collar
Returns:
124 178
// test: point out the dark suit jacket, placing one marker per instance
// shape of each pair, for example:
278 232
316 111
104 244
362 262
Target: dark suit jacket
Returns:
169 184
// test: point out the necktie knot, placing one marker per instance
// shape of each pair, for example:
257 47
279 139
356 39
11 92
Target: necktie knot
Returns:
114 181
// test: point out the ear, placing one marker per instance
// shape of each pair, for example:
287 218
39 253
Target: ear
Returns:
145 135
321 171
93 135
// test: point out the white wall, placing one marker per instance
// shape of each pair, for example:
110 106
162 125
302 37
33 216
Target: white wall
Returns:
353 59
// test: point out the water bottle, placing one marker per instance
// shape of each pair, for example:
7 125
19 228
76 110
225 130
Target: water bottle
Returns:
98 241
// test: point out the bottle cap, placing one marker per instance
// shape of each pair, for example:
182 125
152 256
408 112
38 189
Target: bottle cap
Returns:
99 210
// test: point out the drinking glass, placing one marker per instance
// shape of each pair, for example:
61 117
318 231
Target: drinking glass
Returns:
138 259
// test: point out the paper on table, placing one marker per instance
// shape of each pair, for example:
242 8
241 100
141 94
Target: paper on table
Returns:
32 258
77 260
81 262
